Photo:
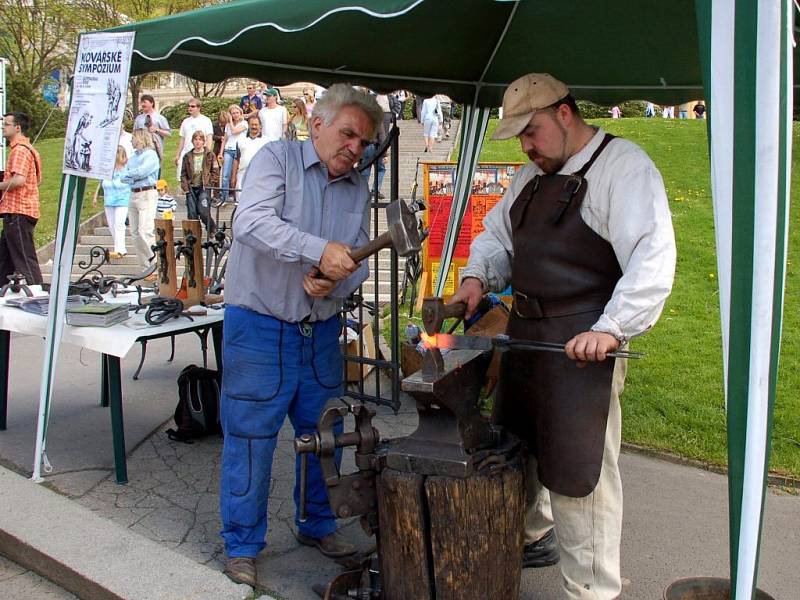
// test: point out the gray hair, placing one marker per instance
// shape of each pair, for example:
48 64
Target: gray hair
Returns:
340 95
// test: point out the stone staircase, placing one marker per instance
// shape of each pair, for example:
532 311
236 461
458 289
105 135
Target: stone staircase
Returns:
411 149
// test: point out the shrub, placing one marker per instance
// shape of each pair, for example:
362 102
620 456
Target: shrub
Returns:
210 108
590 110
56 126
631 108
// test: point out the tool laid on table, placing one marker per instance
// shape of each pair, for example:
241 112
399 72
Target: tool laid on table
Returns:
16 284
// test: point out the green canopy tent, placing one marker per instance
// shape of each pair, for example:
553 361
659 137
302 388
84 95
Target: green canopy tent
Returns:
605 52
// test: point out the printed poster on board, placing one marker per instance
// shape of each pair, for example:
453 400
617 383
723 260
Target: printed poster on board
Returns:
99 91
489 183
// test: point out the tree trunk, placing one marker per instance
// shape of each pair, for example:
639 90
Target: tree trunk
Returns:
135 87
444 538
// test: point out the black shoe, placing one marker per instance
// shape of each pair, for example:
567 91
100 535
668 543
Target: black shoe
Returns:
541 553
381 196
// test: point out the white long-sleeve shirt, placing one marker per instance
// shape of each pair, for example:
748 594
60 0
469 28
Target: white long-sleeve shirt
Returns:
625 204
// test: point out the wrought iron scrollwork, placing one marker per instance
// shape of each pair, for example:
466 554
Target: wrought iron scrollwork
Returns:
91 271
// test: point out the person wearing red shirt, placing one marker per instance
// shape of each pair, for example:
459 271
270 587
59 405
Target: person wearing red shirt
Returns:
19 203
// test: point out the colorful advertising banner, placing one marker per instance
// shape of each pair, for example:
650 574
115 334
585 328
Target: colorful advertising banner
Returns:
490 182
99 91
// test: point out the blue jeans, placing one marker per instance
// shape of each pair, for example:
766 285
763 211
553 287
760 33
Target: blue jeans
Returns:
271 370
379 167
227 169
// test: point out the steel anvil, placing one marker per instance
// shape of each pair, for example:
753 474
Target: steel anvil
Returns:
452 437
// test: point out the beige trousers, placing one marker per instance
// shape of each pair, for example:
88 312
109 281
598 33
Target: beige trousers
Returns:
588 529
142 216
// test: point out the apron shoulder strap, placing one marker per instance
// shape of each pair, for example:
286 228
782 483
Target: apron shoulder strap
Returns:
585 168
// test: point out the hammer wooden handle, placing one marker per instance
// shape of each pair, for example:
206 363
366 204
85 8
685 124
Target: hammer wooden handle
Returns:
384 240
457 310
452 311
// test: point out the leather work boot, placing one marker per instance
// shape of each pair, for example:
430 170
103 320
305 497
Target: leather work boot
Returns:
541 553
332 545
241 569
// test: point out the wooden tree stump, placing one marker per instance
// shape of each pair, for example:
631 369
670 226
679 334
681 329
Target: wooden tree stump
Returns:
444 538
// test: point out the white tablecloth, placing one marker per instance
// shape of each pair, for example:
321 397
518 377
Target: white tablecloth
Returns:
116 340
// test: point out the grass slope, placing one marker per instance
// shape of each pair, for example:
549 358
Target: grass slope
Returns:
673 398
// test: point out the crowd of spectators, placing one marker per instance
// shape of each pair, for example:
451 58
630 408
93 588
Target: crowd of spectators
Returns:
212 157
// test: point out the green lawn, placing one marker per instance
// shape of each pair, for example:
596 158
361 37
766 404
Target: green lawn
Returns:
673 398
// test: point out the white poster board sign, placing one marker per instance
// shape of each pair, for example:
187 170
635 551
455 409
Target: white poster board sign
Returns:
99 91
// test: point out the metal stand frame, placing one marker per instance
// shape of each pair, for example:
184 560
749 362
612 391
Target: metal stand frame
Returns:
356 303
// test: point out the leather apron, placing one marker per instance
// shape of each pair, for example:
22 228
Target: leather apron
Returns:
563 276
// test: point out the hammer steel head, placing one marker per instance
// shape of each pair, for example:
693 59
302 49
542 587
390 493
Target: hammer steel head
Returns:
402 225
435 312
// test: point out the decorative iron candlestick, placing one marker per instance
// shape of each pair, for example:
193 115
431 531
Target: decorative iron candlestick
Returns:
16 284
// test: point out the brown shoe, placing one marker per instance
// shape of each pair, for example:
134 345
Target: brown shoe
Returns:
241 569
331 545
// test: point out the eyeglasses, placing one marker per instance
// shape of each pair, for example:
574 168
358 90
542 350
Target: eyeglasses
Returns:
193 106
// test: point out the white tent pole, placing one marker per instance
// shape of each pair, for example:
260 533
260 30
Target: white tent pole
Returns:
69 212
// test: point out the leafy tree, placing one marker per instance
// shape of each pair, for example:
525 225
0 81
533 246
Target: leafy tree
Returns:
38 37
109 13
41 36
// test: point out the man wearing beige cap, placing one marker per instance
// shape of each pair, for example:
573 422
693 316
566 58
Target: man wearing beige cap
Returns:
584 237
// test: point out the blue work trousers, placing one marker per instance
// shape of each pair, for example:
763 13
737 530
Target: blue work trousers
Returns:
272 369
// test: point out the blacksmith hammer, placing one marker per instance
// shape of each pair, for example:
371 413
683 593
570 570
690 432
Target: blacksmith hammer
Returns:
435 312
402 234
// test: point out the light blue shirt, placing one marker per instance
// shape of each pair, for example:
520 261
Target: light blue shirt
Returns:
142 169
288 211
115 191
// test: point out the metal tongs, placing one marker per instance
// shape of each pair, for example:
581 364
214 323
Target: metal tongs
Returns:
503 342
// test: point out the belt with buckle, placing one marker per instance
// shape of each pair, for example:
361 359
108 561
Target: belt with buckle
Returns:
143 189
531 307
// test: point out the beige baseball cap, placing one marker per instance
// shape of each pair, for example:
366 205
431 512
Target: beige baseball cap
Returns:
523 98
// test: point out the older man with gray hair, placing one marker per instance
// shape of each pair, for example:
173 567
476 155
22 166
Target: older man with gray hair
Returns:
301 208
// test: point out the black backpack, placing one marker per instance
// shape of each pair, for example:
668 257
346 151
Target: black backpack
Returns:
197 413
